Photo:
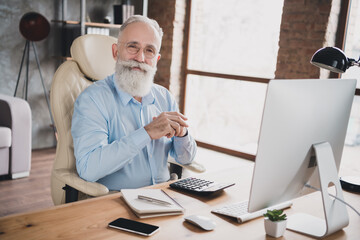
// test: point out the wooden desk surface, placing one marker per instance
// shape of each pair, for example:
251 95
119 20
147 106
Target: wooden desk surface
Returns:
88 219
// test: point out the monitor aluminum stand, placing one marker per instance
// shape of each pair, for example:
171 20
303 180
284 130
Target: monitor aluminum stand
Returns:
336 216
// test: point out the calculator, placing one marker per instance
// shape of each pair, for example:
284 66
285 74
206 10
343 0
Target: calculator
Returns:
201 186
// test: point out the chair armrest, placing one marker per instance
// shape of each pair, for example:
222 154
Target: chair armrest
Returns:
71 178
194 166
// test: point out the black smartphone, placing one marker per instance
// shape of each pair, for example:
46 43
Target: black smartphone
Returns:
134 226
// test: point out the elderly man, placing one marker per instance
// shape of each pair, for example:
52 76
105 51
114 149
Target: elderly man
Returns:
125 126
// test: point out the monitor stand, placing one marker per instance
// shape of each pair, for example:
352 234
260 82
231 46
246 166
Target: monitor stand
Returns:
336 216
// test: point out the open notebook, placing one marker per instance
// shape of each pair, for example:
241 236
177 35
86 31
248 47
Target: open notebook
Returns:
146 209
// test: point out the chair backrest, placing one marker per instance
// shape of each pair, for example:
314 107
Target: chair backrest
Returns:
91 59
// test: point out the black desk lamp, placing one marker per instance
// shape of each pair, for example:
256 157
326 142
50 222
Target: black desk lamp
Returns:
334 59
33 27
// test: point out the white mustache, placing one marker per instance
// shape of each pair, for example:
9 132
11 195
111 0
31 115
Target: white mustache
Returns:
131 64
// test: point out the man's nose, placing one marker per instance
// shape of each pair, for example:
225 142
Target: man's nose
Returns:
140 57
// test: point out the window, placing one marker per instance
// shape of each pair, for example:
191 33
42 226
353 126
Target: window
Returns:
351 153
352 40
232 53
226 113
233 32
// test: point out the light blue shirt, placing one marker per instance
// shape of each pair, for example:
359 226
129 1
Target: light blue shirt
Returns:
111 145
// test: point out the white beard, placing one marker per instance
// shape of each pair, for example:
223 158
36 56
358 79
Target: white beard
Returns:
136 83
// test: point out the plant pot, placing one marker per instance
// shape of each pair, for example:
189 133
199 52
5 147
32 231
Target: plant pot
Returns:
275 229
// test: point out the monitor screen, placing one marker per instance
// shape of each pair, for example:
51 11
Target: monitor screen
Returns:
297 114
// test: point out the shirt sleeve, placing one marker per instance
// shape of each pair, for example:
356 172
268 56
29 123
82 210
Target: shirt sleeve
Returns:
184 148
95 156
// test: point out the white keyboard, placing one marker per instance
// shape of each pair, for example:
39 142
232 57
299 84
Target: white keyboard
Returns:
239 210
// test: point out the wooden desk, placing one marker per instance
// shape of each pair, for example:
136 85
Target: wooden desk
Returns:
88 219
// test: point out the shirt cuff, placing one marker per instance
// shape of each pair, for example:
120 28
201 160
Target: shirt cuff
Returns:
187 132
140 138
186 137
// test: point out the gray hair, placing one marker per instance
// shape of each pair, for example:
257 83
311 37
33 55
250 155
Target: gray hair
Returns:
140 18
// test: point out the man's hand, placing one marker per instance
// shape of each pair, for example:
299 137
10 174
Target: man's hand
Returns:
167 124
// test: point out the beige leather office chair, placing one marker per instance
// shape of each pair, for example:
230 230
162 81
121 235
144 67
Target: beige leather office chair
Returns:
91 60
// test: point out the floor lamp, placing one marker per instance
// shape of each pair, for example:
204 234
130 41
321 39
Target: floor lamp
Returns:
334 59
33 27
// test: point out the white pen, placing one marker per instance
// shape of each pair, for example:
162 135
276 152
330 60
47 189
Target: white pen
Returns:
153 200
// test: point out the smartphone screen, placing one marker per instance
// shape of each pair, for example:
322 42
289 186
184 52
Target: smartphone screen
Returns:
134 226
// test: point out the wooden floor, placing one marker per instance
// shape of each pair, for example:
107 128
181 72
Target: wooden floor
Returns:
31 193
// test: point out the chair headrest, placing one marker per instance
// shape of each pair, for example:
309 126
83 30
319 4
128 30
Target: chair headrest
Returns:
93 54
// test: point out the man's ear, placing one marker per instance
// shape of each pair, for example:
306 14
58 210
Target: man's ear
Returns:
115 51
158 58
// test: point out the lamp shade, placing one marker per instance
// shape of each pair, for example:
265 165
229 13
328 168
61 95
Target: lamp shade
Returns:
34 26
331 58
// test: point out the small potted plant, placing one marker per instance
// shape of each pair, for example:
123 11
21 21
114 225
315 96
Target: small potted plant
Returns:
275 223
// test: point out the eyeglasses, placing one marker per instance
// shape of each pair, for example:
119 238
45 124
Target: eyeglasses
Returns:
134 48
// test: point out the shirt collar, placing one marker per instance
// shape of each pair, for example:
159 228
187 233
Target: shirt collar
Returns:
125 97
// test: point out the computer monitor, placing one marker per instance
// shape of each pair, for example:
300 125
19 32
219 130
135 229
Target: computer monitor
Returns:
298 114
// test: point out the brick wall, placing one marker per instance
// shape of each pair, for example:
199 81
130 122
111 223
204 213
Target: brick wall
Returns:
178 58
304 29
170 15
164 12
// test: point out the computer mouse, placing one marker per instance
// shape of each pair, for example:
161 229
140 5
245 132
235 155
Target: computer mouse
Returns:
201 221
